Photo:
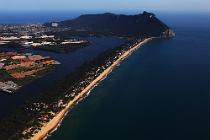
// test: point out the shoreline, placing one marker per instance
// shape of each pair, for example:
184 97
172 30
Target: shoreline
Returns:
55 122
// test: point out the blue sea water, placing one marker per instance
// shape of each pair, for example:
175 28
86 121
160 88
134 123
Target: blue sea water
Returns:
69 61
22 17
160 92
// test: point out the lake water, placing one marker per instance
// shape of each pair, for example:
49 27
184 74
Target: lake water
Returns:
69 61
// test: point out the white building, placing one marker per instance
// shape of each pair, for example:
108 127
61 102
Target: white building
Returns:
26 37
54 24
9 38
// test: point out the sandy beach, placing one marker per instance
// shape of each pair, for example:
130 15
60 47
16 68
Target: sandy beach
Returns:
51 125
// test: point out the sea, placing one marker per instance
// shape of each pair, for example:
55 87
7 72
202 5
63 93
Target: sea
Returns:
160 92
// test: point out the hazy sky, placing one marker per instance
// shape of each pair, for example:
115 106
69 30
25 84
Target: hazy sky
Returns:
155 5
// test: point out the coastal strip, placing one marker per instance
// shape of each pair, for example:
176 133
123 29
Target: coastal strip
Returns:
52 124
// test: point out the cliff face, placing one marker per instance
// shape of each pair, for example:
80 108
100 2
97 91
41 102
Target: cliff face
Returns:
145 24
168 33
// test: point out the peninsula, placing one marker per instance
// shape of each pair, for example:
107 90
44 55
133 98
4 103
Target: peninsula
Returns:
39 116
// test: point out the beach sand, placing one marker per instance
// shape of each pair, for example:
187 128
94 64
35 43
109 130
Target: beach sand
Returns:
51 125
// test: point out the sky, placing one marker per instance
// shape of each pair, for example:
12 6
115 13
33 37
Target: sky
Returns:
114 5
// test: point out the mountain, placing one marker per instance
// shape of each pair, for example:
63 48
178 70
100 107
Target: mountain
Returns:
145 24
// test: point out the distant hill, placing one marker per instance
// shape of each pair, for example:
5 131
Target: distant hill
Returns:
145 24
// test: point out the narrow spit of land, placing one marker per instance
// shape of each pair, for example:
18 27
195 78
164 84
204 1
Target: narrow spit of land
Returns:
52 124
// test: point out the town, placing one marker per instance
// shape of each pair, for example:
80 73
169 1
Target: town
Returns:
17 69
37 36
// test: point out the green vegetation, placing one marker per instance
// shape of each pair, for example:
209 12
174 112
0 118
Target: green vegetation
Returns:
26 116
60 48
4 76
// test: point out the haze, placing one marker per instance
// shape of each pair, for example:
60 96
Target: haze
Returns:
114 5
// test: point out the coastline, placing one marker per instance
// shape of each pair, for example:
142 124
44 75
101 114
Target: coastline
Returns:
52 124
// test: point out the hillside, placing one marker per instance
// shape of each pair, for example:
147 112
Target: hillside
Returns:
145 24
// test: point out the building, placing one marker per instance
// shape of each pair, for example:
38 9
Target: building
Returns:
18 57
54 24
26 37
